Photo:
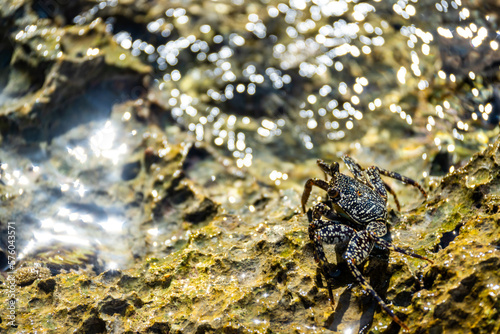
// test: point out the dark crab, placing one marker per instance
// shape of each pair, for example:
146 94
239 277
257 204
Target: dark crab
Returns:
358 216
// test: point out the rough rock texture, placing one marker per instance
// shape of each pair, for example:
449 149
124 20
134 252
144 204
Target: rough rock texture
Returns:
237 274
461 291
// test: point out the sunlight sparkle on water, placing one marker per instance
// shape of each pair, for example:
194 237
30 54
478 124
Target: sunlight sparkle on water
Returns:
153 231
112 225
402 75
111 265
49 237
79 153
319 40
102 144
278 176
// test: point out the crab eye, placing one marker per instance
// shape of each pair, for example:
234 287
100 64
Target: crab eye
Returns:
333 193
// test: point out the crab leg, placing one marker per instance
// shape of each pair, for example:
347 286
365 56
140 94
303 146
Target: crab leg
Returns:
403 179
357 252
354 168
308 187
351 262
391 191
376 181
391 247
322 210
330 232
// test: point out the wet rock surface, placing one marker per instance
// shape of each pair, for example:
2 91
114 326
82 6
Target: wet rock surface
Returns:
241 274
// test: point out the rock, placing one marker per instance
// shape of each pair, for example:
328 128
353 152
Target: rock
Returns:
27 275
232 274
47 285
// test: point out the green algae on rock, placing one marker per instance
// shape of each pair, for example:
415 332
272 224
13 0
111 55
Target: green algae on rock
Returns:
244 275
460 291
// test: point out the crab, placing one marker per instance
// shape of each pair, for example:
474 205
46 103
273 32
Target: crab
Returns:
357 216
